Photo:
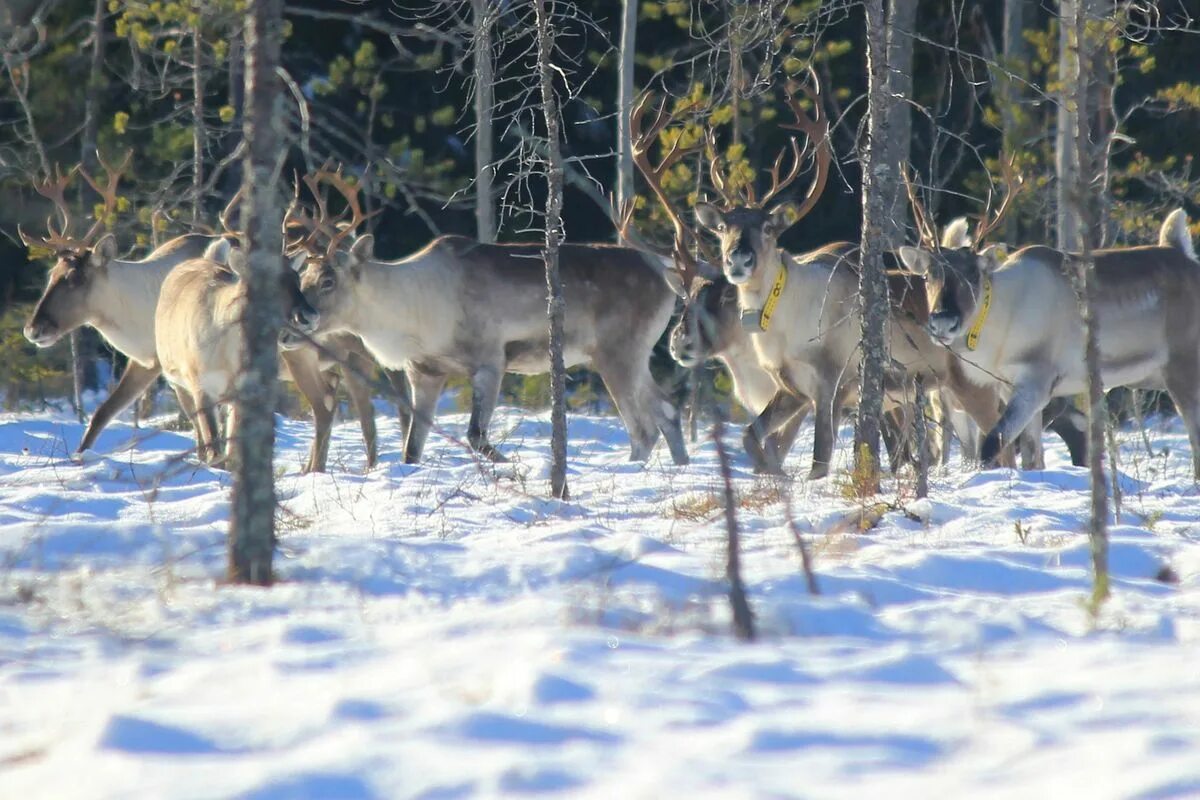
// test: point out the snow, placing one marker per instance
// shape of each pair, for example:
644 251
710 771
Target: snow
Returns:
446 631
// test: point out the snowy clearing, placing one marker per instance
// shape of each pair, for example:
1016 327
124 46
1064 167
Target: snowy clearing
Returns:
443 631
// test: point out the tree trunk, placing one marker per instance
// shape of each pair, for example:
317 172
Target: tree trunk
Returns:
87 157
878 177
198 130
1016 55
485 206
743 617
625 188
252 534
1066 161
1082 50
554 237
902 18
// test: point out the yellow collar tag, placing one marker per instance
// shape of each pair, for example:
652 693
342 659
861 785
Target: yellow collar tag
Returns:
764 319
985 306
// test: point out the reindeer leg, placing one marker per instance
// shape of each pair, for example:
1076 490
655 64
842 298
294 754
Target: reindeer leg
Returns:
669 421
485 392
782 408
780 442
427 390
320 396
825 421
404 399
134 381
364 408
206 428
1032 454
1029 396
1061 416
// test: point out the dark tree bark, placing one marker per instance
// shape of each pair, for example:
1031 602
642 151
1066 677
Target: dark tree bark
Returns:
743 617
252 533
485 201
554 237
1016 53
878 178
1085 201
902 19
87 157
625 187
198 128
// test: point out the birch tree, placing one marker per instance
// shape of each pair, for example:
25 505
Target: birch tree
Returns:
252 532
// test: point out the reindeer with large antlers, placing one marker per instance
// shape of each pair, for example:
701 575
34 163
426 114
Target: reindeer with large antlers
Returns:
460 307
799 309
1015 325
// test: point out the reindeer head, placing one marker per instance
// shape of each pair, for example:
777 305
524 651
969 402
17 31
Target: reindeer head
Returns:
956 274
702 331
80 262
301 320
325 268
748 228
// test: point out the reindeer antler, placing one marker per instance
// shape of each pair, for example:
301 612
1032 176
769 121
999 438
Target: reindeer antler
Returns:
53 189
816 129
108 192
643 140
1014 184
334 230
925 229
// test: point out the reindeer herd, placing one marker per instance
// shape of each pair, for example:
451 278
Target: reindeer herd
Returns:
997 339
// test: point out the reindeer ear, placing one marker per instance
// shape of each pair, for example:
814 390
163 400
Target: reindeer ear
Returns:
237 261
992 256
675 281
916 259
709 216
957 234
218 250
360 251
298 261
363 248
778 222
103 252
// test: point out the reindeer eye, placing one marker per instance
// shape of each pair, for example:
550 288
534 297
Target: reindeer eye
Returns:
327 283
721 227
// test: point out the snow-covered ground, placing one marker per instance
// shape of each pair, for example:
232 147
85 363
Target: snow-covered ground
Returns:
444 631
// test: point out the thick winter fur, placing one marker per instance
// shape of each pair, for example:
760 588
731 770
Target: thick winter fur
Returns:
1031 345
118 299
459 307
198 338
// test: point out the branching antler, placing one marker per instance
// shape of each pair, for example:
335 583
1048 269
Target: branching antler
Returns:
107 192
816 129
1014 184
322 226
53 189
643 139
925 228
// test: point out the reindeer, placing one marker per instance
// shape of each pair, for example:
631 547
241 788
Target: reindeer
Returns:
460 307
89 285
197 336
1017 326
